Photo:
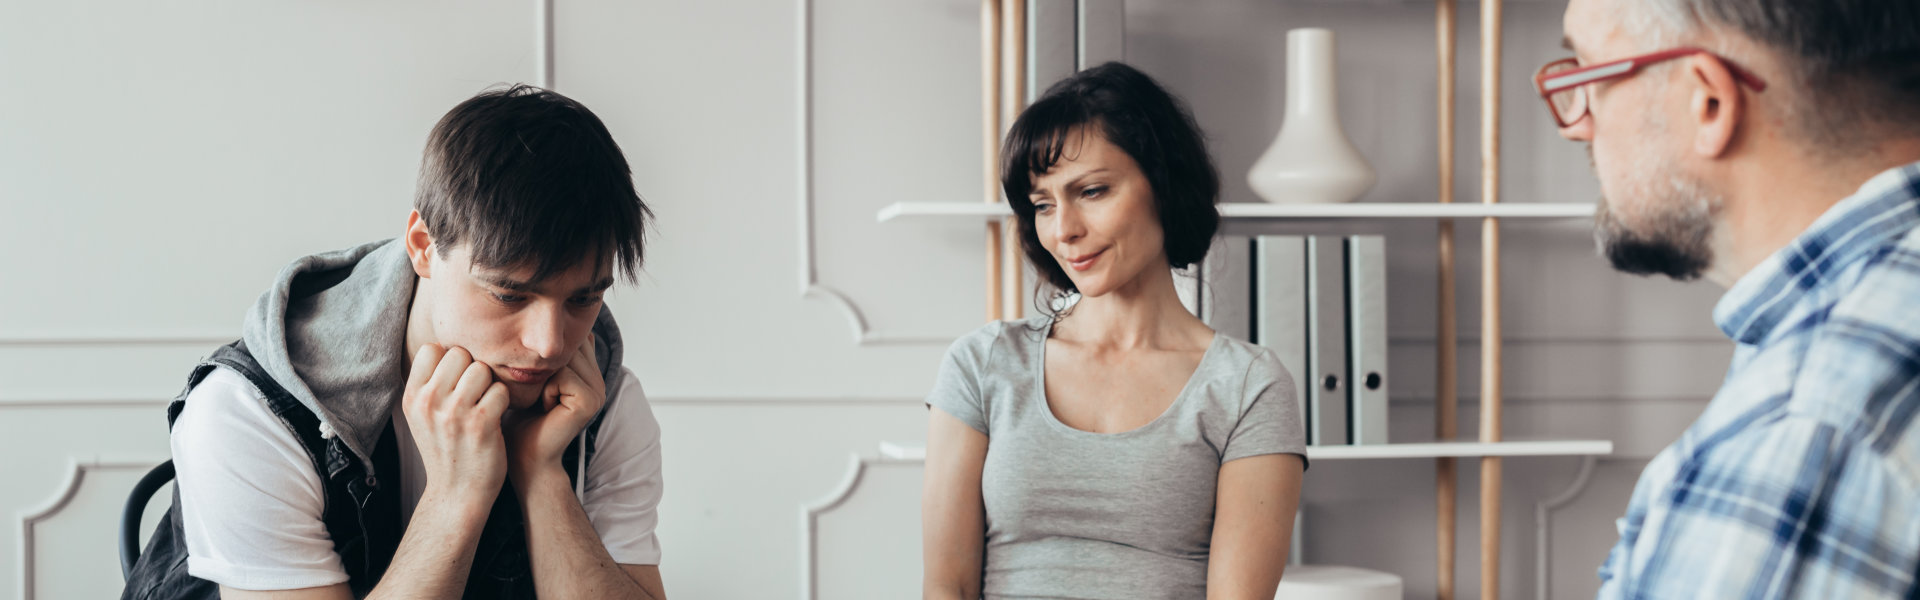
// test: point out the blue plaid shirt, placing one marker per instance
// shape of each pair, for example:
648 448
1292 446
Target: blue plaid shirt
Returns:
1802 477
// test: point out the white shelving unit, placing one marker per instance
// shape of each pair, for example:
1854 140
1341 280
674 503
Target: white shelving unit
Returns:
1462 449
1249 210
1322 216
1321 213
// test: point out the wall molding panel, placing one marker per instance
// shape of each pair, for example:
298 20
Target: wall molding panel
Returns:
810 284
76 477
193 339
857 467
543 43
77 403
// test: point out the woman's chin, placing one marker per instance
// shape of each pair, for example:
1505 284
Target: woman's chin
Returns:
1093 285
1105 283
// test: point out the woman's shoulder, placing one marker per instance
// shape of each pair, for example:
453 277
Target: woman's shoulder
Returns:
999 338
1259 364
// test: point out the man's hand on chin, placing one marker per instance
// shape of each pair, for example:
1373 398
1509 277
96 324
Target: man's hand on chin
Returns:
537 436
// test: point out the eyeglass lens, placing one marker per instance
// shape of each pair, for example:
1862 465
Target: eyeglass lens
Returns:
1571 103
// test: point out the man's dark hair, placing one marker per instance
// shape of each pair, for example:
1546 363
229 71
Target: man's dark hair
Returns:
1135 114
526 177
1856 63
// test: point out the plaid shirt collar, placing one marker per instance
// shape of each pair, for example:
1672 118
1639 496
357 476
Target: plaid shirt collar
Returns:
1887 205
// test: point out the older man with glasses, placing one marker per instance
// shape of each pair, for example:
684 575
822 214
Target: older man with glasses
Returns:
1772 146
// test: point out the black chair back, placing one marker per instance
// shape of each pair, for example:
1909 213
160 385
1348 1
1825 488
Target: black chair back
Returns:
130 516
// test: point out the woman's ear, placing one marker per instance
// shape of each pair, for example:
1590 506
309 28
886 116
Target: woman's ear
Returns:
419 245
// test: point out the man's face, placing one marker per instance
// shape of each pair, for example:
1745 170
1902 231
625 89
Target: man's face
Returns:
525 330
1654 216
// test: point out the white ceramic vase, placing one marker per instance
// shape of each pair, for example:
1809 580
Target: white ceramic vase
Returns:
1311 160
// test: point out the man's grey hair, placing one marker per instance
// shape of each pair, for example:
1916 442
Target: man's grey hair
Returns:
1853 66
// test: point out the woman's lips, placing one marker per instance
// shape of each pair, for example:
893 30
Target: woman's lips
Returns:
1084 261
525 375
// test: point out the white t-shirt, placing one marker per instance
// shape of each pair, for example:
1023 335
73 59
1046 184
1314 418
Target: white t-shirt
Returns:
251 501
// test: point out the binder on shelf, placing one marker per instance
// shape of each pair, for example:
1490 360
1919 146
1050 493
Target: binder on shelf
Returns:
1326 340
1278 307
1367 339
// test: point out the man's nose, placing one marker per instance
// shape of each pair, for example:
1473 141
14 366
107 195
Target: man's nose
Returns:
1579 131
545 332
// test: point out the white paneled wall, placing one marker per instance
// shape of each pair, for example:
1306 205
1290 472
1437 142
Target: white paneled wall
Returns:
159 162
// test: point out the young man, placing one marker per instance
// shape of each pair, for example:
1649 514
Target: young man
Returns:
442 415
1770 145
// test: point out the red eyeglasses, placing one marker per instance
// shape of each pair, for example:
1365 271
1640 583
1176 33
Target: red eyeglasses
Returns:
1563 83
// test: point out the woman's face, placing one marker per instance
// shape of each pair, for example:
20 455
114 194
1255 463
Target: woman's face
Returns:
1093 211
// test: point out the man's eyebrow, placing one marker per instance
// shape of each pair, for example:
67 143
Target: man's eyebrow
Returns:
598 286
514 285
504 283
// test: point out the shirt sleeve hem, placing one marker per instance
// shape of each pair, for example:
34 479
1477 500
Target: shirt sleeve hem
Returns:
635 556
974 423
260 579
1239 454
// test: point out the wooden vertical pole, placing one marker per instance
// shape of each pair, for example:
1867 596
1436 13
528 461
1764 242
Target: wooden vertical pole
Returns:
990 115
1014 70
1446 398
1490 347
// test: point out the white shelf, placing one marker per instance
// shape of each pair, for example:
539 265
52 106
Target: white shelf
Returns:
897 451
1464 449
1262 210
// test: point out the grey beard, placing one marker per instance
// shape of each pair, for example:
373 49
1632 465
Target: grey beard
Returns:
1675 244
1677 240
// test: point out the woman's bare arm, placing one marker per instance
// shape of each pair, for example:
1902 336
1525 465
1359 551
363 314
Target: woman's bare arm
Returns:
952 515
1253 526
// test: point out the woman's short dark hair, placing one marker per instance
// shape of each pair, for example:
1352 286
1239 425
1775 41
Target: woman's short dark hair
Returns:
526 177
1135 114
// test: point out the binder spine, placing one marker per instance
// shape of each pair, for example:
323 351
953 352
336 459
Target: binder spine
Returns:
1278 312
1327 340
1367 339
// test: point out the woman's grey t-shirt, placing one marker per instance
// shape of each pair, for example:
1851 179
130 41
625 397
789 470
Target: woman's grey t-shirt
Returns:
1076 514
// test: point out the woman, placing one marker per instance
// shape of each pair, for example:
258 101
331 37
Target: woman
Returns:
1117 448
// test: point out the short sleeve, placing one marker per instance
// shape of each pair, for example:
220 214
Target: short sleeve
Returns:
623 479
1270 420
956 390
250 500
